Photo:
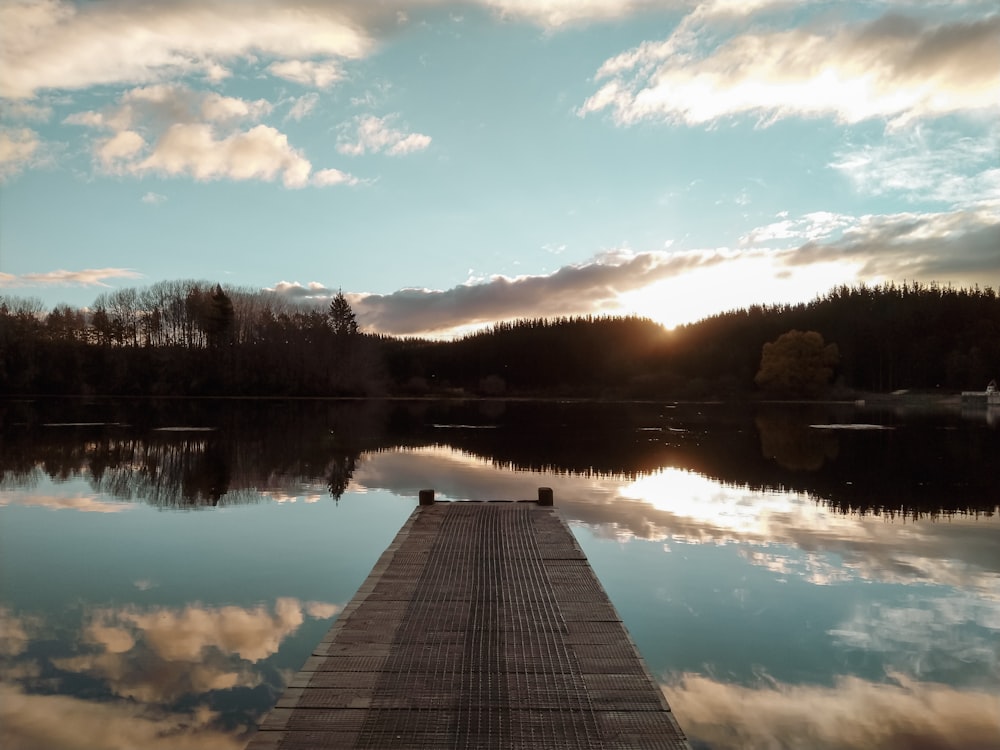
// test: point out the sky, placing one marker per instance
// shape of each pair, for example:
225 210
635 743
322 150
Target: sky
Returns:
448 165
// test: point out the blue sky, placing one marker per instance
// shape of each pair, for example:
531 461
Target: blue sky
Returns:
452 164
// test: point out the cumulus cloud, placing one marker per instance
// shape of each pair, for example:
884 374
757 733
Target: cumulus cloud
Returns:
56 44
851 714
195 134
84 277
376 135
18 148
896 67
321 75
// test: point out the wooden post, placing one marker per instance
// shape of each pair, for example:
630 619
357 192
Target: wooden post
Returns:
545 496
427 497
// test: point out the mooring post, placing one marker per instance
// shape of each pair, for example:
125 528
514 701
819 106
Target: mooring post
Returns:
545 496
427 497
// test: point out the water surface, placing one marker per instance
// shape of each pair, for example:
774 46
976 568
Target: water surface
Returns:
815 577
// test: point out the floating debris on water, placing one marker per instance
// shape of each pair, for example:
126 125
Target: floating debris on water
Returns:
850 426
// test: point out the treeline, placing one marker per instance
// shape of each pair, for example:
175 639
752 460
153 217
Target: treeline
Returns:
198 338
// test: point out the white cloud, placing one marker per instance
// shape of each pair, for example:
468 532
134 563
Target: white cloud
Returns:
84 277
327 177
808 227
896 67
322 75
11 110
53 44
557 13
154 199
376 135
261 153
302 107
120 147
921 165
175 131
18 149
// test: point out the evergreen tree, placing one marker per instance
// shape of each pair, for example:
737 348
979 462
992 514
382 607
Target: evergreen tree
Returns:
342 318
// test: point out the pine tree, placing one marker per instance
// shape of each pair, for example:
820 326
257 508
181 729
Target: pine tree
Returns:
342 318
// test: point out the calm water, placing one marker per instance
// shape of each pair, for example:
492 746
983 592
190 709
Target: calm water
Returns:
795 577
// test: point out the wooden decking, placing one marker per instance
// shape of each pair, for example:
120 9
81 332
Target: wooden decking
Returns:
481 626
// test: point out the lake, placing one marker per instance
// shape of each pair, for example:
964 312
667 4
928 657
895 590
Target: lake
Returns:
796 576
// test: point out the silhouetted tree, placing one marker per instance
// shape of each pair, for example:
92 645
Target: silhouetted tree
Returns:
342 318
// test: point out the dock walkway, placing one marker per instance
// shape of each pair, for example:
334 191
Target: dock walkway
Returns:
481 626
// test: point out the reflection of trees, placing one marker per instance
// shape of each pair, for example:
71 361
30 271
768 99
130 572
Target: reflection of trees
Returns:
788 439
218 453
922 466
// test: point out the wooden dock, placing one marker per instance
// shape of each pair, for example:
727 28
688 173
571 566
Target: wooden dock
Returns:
481 626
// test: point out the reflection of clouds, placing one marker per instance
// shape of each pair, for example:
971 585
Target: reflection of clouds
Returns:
852 714
15 632
83 503
683 506
308 493
57 722
185 634
928 634
160 654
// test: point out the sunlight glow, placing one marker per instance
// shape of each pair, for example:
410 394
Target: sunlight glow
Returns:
734 284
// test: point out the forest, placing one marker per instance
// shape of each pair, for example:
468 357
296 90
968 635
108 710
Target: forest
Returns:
193 338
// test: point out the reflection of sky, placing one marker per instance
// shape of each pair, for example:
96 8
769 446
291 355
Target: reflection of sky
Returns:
167 629
772 620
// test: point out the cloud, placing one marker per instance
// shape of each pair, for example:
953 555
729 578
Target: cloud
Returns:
327 177
956 246
895 67
592 287
926 166
554 14
302 107
812 226
18 149
55 44
26 721
375 135
321 75
154 199
314 290
84 277
851 714
194 134
261 153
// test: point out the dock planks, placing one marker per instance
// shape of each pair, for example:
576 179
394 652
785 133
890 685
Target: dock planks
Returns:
481 626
